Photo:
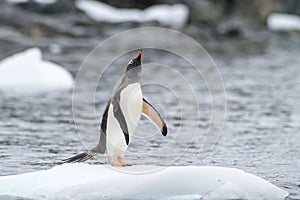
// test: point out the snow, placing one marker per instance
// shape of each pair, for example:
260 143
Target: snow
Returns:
17 1
26 72
283 22
84 181
45 1
36 1
170 15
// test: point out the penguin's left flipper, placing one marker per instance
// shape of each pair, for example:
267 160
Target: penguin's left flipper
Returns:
150 112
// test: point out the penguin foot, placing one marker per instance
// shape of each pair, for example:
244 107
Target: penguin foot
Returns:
117 164
120 162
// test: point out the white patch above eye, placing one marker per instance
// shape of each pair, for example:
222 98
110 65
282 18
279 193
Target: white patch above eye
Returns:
130 62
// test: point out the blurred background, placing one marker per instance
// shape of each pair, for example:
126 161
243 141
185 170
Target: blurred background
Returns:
255 44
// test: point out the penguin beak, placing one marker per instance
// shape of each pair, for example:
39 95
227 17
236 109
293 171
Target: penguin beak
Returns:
138 57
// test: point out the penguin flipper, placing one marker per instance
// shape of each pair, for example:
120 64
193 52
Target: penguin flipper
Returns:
150 112
121 119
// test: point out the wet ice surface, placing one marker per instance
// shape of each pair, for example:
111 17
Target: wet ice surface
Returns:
260 136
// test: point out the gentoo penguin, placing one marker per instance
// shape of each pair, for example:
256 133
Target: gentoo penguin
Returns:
121 117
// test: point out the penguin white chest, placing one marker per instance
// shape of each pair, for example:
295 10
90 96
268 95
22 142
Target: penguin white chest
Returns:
131 103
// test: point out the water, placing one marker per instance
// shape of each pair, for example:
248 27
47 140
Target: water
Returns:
260 136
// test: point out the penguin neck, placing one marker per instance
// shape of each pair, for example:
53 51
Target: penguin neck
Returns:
133 75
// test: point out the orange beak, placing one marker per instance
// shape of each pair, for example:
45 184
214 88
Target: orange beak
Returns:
139 54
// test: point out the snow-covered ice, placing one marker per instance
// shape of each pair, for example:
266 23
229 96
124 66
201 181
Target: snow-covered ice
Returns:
170 15
26 72
84 181
283 22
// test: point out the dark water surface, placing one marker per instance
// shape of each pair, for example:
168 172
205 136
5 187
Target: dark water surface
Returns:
260 135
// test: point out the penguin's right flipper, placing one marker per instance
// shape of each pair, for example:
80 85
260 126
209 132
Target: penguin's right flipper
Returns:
150 112
118 113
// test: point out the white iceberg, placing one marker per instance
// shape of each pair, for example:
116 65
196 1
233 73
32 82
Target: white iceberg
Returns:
283 22
26 72
170 15
83 181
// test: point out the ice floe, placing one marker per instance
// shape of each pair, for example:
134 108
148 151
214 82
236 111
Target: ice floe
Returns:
283 22
169 15
27 72
84 181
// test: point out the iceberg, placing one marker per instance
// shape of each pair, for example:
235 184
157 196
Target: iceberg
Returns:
84 181
169 15
26 72
283 22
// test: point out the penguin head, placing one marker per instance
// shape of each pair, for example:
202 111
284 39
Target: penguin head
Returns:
135 62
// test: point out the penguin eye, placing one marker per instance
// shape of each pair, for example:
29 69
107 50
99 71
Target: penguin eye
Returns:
130 62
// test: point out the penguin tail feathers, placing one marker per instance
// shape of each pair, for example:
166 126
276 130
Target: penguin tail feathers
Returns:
80 157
